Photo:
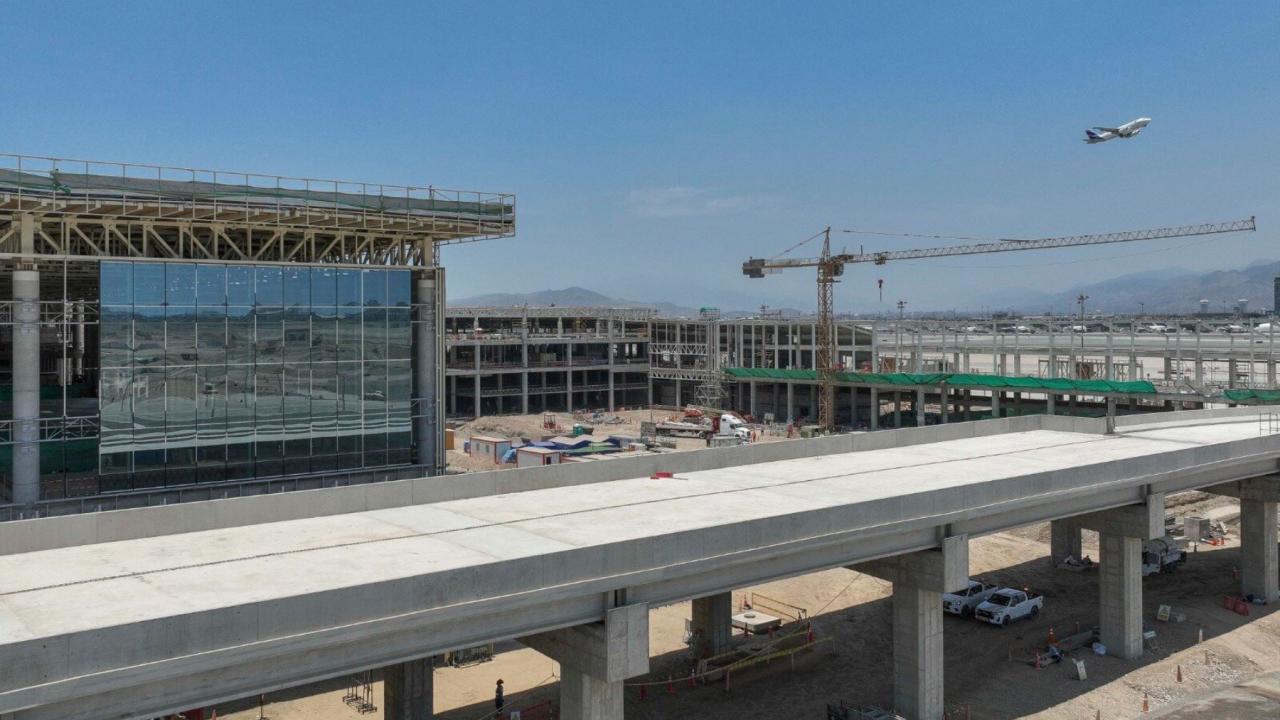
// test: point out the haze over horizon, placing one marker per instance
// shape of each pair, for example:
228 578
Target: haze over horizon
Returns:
654 148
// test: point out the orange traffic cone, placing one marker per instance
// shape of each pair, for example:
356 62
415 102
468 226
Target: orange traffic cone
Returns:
1146 708
1037 661
693 679
671 687
1053 639
1179 676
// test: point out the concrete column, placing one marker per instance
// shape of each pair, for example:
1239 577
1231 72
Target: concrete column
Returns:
475 410
712 624
875 409
995 403
944 402
407 691
917 652
751 407
524 392
1064 540
919 579
595 659
1120 593
1049 401
1121 533
26 381
1259 563
919 403
427 357
568 377
897 409
791 402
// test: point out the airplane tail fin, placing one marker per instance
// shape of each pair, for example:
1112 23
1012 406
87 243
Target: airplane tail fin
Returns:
1092 135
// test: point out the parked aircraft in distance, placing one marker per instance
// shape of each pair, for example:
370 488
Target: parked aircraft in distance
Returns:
1102 134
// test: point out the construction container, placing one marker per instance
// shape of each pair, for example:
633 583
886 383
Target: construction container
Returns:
1196 528
448 438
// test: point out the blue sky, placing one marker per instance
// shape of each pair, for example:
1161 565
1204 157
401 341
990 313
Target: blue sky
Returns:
654 146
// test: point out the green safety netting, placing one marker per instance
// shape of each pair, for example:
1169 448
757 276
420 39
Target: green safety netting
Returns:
1253 396
955 380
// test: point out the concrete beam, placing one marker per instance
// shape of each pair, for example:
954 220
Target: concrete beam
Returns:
1260 489
1144 521
712 624
408 690
942 569
610 651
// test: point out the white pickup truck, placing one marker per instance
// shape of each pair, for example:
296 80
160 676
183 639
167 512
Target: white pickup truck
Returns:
962 602
1007 605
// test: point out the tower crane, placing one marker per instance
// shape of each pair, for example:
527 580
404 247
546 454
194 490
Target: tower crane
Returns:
831 267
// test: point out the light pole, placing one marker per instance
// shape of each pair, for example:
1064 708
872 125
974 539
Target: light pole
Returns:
1080 299
902 304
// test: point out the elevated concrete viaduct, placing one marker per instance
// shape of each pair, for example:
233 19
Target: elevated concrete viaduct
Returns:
138 627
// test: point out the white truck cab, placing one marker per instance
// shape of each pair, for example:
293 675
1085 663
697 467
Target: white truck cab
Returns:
963 601
1007 605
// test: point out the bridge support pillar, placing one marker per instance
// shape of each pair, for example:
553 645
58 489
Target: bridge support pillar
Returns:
407 691
1259 564
1121 533
1064 540
595 659
1120 593
919 579
712 624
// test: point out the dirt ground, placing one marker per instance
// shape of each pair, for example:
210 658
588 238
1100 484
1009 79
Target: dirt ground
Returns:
623 422
988 669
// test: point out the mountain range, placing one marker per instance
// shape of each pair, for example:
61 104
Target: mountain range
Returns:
1169 290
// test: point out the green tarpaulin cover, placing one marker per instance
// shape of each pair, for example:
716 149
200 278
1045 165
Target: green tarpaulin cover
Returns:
956 380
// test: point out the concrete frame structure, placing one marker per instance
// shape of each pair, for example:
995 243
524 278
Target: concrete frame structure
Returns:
1196 363
1118 490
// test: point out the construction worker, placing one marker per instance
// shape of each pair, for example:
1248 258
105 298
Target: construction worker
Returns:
498 701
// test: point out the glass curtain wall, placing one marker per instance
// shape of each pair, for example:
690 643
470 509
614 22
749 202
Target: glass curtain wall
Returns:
214 372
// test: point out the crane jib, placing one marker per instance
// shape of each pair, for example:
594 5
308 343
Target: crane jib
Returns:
758 267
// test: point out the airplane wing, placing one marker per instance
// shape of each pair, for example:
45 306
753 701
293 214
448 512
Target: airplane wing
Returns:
1107 129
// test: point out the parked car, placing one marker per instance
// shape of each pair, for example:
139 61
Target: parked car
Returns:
1008 605
962 602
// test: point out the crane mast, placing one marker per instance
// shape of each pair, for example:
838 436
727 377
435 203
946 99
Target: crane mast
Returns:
831 267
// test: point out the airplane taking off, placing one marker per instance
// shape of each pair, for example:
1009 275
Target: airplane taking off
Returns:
1127 130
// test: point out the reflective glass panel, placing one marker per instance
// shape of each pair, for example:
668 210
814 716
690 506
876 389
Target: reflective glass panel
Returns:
239 285
180 283
324 286
297 287
269 286
399 289
180 335
348 287
116 283
211 285
148 337
374 284
148 283
211 335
